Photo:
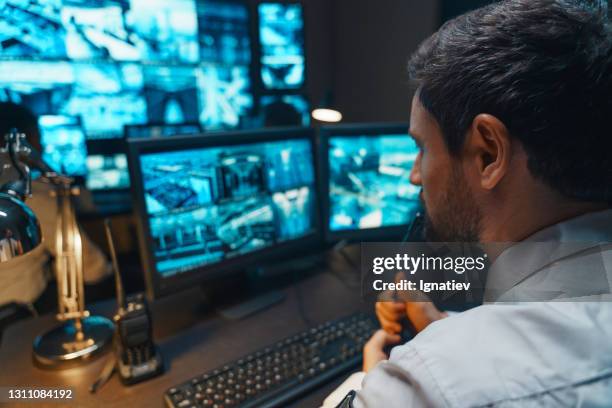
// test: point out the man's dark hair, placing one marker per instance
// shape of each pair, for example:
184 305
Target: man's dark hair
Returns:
544 68
19 117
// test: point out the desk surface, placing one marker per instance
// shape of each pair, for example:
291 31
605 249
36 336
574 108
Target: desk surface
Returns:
191 343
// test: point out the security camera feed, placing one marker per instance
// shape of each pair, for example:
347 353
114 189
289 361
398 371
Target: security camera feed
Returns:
171 94
125 30
208 205
119 30
224 32
63 143
106 96
297 102
281 34
369 184
107 172
32 29
225 95
161 131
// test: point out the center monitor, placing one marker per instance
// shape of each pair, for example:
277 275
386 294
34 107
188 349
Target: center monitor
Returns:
366 190
215 204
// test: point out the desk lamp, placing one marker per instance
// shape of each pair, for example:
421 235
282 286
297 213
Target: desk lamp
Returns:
81 335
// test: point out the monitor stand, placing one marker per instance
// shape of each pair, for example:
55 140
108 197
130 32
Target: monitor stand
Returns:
261 286
252 306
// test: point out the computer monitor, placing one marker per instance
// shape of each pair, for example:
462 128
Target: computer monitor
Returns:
366 191
63 144
106 172
281 37
105 95
225 95
160 130
217 204
171 93
224 32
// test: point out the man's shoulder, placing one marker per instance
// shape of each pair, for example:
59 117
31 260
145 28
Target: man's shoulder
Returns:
499 352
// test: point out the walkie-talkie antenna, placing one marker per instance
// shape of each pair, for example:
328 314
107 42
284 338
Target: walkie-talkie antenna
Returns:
113 254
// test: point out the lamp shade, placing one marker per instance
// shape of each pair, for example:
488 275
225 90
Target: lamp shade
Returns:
19 228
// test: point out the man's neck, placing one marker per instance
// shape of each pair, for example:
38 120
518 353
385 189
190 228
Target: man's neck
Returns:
522 217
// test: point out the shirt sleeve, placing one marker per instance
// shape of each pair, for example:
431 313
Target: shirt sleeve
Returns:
353 383
402 381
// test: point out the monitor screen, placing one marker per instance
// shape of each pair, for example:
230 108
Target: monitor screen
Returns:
125 30
225 95
63 143
369 184
208 205
105 95
107 172
159 131
32 29
224 32
281 34
171 93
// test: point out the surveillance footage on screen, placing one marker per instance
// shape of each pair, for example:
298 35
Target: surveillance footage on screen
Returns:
171 94
369 184
211 204
281 34
225 95
224 32
107 172
63 144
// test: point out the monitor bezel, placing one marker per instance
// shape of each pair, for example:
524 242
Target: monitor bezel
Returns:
363 129
126 129
158 286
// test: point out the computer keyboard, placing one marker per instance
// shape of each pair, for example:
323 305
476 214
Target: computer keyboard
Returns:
281 372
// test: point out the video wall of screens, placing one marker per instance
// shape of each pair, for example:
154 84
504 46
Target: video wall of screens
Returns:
369 185
211 204
123 62
281 37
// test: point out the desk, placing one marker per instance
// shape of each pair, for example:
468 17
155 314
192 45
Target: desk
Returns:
190 343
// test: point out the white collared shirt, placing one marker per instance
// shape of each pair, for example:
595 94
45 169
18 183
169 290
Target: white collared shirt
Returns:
514 354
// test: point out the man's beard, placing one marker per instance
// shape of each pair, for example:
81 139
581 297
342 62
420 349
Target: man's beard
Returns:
457 218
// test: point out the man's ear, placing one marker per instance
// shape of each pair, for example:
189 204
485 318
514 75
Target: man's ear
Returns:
488 143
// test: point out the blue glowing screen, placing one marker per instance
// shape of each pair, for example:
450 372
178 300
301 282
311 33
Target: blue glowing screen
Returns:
225 95
281 33
63 143
171 93
224 32
105 95
369 183
212 204
107 172
119 30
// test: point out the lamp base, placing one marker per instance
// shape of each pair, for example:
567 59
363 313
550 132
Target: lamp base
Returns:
60 347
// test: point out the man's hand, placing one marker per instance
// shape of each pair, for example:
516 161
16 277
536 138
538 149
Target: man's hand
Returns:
421 314
390 314
373 350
